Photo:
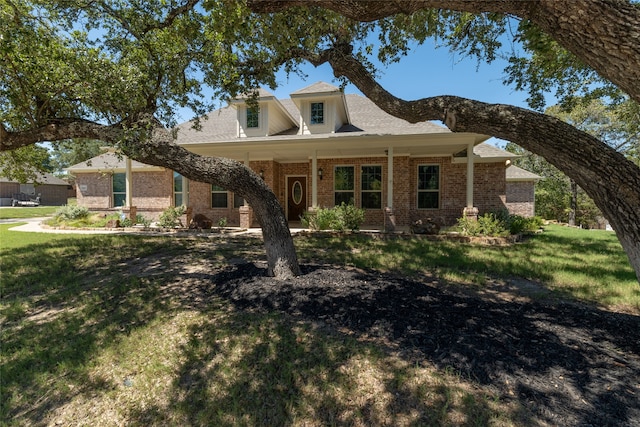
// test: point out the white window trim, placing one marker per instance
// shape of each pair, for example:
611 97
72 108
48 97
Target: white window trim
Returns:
226 193
257 112
353 190
439 190
372 191
113 193
324 111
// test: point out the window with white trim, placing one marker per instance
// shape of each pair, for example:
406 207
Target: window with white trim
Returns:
119 189
371 187
428 186
253 117
179 189
343 184
317 113
218 197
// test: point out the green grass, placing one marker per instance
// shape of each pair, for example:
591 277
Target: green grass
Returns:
27 212
119 330
589 265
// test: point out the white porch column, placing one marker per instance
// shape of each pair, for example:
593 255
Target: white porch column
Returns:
246 163
128 183
314 179
470 176
389 215
470 211
390 177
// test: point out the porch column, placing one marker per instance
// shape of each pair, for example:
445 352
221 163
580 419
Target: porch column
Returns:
128 183
470 210
389 215
245 210
314 179
390 177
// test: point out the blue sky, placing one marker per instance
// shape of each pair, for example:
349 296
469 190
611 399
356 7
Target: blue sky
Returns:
425 72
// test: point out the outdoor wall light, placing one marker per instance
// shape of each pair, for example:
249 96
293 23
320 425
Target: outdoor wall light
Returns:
320 173
262 173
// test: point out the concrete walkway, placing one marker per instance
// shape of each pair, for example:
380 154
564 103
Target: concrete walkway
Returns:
34 225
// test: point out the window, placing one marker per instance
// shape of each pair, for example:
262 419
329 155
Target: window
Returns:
317 113
428 186
119 186
343 184
218 197
179 189
371 187
253 117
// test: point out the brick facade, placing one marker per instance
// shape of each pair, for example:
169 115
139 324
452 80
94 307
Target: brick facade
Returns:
153 191
520 196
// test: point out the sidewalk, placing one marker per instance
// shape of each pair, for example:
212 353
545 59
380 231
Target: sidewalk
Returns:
34 225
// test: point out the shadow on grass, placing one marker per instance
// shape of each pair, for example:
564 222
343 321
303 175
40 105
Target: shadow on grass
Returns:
240 368
303 349
570 364
590 266
61 303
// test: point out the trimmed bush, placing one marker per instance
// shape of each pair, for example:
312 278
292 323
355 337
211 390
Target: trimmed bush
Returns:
498 225
339 218
71 213
170 217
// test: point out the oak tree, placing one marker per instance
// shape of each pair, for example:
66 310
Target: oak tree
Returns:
565 42
118 72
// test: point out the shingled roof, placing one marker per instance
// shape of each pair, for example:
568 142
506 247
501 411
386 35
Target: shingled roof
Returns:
366 119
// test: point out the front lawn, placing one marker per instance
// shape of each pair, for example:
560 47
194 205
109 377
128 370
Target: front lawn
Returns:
132 330
27 212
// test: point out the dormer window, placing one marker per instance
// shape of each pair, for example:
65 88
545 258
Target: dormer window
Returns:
317 113
253 114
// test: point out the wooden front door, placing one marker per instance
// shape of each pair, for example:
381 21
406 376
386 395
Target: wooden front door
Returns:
296 197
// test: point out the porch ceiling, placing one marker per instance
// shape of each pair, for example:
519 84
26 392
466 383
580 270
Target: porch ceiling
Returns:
301 150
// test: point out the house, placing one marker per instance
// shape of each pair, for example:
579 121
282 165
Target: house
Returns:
520 195
319 148
53 191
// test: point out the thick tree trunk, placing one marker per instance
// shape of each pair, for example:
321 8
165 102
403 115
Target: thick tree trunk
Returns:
573 205
604 34
612 181
282 260
158 149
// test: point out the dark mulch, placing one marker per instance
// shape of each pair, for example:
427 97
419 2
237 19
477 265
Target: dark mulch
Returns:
569 363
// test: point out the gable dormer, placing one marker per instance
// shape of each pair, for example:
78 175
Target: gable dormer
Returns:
267 116
323 108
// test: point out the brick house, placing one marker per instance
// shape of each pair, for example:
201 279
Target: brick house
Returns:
52 190
521 191
316 149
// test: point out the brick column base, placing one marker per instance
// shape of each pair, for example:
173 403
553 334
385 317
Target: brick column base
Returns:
471 213
389 220
132 213
245 217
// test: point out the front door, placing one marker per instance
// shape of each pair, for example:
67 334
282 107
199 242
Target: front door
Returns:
296 197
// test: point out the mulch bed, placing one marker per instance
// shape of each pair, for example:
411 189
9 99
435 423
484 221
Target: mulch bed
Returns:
569 363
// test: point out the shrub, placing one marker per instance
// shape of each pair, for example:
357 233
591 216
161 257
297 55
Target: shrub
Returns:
222 222
141 219
170 217
71 213
486 225
339 218
499 224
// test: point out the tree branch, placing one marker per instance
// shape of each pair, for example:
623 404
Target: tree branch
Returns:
581 156
57 130
604 34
